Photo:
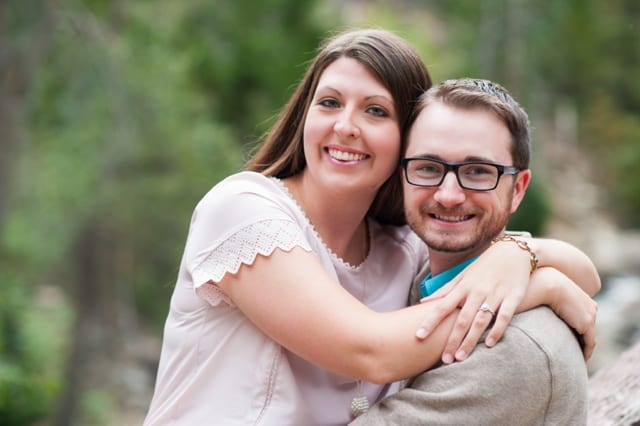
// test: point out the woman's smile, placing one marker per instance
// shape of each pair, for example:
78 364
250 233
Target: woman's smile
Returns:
346 156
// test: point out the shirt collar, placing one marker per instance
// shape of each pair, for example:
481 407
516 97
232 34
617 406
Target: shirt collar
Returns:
431 284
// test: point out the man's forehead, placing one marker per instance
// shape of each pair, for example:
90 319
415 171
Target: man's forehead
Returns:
459 134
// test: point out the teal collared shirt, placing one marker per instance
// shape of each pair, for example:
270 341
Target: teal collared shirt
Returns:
431 284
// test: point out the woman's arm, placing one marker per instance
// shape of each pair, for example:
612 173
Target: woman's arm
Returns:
553 288
569 260
500 277
321 322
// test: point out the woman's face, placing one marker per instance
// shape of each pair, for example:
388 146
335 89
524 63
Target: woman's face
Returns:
351 132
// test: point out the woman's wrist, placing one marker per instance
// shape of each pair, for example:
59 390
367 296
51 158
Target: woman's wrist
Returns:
545 289
555 288
521 244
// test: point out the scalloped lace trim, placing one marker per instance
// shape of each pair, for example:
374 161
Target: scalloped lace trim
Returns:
333 255
242 248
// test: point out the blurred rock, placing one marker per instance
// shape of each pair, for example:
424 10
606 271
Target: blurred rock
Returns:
614 392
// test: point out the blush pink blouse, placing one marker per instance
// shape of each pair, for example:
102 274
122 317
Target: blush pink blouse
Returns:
216 367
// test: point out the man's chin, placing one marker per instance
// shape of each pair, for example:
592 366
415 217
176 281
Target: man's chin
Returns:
447 249
449 246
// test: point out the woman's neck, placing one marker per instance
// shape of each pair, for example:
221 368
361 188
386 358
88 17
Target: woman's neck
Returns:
339 218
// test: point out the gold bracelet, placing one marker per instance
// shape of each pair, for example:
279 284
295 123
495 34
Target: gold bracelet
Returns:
523 245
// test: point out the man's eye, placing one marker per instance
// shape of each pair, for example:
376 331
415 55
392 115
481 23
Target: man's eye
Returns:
478 170
429 169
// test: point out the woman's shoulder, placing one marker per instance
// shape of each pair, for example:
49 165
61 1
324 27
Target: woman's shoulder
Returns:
242 183
245 198
245 182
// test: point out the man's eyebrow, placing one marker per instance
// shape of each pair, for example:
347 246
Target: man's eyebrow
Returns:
419 155
478 158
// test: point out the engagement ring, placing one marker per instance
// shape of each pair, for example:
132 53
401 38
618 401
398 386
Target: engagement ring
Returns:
486 308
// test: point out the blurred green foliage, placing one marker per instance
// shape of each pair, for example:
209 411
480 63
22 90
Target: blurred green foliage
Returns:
550 54
131 115
33 341
533 212
129 111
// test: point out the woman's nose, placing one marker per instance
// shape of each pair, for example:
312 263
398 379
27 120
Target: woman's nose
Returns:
346 125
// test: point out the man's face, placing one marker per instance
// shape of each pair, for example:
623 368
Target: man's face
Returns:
449 218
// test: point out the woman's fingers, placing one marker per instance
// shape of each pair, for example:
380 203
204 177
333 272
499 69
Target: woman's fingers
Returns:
482 319
502 320
467 318
440 308
588 330
477 314
588 343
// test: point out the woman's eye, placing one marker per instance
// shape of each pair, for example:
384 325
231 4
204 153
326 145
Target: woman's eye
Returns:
378 111
329 103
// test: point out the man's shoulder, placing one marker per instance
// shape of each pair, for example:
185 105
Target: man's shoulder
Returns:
546 330
537 346
538 321
538 349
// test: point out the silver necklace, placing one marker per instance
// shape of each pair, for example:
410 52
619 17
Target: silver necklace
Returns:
360 403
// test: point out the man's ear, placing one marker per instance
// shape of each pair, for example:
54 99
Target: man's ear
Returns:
520 188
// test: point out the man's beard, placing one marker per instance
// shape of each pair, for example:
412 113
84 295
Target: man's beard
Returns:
470 239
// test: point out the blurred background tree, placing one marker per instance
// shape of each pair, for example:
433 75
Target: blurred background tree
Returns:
117 116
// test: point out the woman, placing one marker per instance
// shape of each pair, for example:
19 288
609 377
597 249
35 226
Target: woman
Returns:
290 302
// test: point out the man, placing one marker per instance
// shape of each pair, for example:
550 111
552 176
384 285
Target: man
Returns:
466 171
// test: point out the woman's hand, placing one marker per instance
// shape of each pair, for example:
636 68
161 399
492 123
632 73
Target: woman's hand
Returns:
572 304
499 278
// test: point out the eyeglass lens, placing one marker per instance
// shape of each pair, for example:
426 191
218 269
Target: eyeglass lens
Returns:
470 175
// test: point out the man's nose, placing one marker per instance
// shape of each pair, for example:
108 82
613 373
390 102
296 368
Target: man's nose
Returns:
450 193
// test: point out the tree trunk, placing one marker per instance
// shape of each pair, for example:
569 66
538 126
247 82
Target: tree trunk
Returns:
104 319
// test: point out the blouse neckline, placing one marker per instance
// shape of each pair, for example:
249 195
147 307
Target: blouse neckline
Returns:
334 256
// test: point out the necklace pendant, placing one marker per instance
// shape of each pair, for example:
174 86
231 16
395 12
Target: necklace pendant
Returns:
359 405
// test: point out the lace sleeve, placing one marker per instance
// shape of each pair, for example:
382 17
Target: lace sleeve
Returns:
242 248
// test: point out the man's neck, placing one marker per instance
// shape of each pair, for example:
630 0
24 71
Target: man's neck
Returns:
440 261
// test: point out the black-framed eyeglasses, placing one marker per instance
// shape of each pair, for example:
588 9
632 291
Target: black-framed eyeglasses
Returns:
473 175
